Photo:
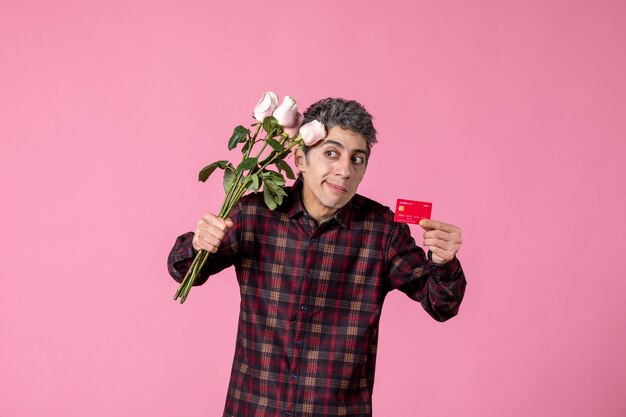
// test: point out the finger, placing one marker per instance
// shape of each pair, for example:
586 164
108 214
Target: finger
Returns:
440 234
451 250
425 224
445 236
200 243
205 227
213 238
438 243
441 256
215 225
195 243
216 221
446 241
209 233
208 236
428 224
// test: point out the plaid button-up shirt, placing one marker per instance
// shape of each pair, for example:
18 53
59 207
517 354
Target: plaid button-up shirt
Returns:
311 298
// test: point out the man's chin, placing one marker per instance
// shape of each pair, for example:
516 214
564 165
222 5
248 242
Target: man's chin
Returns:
336 204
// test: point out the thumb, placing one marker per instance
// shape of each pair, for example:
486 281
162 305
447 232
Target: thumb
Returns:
229 223
426 224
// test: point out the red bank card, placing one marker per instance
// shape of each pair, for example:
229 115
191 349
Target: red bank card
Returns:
410 211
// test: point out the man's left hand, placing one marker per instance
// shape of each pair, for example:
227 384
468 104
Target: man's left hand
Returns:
442 239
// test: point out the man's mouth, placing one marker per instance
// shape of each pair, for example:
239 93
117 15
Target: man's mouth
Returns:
336 187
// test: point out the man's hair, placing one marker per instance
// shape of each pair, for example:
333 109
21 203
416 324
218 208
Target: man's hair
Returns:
347 114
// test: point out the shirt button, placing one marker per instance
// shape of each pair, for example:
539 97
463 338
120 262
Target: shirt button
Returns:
288 413
304 307
294 376
313 242
299 343
309 275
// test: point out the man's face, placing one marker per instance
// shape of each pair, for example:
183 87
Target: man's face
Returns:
332 172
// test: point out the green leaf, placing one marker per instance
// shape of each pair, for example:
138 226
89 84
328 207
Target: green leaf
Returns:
251 182
275 144
273 194
276 188
206 172
284 166
274 177
245 147
270 198
240 135
247 163
270 125
246 182
256 182
229 177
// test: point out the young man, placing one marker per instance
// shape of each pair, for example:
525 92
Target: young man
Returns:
313 275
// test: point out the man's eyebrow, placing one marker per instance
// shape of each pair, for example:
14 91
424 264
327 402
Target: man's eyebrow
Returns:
340 145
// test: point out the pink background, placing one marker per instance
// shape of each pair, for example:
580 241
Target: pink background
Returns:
507 115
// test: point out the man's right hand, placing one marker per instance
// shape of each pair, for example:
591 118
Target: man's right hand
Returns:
209 232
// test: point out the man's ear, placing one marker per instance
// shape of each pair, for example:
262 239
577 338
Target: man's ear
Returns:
300 160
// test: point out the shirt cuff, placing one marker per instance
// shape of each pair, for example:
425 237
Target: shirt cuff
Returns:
447 272
181 256
185 250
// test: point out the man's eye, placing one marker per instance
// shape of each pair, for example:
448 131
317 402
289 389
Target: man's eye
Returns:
358 160
331 154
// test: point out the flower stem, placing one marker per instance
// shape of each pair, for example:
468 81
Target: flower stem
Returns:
236 191
279 155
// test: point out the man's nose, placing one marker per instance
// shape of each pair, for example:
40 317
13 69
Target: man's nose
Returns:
343 167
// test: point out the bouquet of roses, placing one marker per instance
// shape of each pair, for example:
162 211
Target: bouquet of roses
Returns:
283 129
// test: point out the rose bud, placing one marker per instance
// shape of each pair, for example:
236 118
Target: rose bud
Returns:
287 113
312 132
266 106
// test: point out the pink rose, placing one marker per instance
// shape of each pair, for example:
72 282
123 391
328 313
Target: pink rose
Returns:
287 113
266 106
312 132
292 131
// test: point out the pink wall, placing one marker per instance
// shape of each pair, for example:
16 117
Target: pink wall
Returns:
507 115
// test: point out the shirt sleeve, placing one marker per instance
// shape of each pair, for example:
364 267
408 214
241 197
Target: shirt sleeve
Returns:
439 288
182 253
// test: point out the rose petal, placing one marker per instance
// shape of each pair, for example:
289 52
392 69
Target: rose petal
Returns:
312 132
292 131
266 106
287 113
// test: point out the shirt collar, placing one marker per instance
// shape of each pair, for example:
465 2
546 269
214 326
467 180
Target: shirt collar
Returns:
341 216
